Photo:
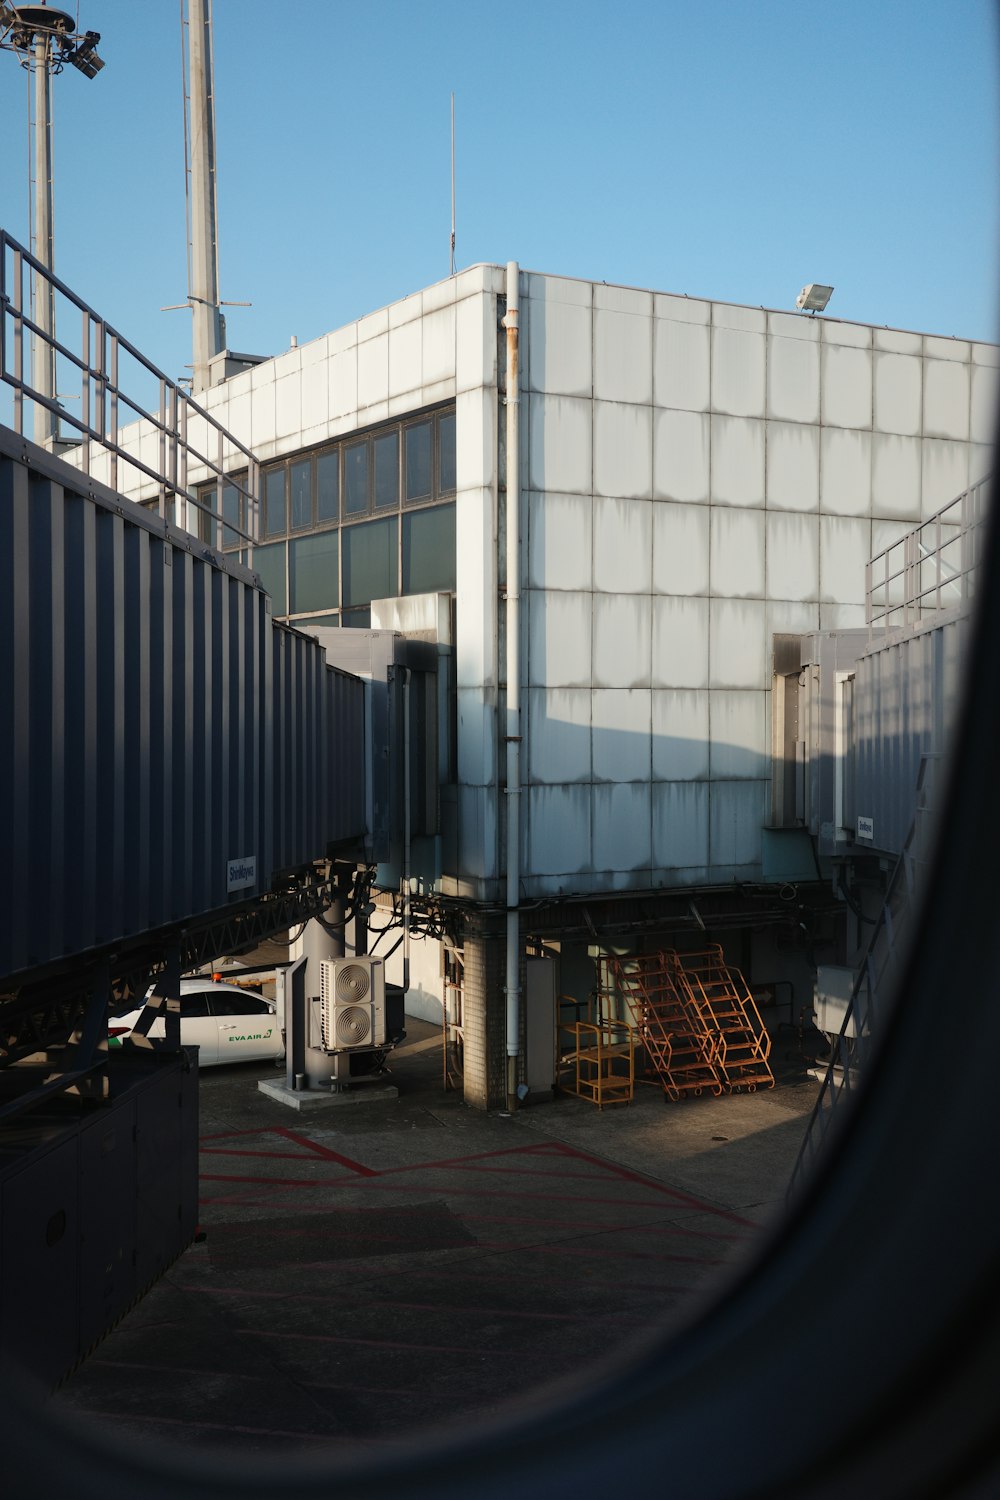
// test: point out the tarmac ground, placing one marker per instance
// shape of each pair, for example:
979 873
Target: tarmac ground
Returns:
372 1272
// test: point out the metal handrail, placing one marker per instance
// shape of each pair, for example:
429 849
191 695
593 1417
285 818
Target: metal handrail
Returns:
906 562
101 395
850 1054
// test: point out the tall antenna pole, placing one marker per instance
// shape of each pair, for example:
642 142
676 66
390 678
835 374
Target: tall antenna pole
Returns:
207 323
452 272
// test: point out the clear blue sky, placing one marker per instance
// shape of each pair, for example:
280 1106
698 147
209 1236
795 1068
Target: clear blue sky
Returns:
725 148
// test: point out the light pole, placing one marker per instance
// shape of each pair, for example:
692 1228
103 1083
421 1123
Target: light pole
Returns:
207 321
45 39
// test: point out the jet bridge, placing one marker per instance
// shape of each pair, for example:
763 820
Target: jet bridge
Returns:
180 776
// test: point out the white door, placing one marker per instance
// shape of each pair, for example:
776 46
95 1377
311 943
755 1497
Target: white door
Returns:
198 1028
247 1026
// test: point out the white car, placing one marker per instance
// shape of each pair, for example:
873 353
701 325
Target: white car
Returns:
227 1024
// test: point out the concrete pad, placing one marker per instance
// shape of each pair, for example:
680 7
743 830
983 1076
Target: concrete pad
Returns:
311 1099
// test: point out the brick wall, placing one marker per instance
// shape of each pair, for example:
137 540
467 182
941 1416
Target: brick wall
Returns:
484 1015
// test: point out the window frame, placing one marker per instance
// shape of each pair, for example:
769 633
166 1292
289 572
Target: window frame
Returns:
337 450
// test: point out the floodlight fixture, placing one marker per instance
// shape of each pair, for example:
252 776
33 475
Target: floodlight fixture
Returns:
813 298
44 39
47 39
84 55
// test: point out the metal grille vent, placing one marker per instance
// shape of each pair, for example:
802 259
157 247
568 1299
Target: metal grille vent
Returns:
352 1003
352 984
352 1025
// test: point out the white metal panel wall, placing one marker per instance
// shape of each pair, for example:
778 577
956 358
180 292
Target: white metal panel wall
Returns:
702 476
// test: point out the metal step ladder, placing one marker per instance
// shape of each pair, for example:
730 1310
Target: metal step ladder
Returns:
671 1035
695 1018
721 996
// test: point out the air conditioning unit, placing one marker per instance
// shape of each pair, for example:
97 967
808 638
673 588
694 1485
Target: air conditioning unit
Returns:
352 1004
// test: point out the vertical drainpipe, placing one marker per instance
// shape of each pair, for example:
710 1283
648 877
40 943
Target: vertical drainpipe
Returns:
406 829
513 725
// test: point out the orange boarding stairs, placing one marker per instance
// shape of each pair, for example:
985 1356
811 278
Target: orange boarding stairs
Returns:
721 997
671 1030
696 1019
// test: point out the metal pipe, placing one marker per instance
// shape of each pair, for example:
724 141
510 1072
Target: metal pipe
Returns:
406 830
513 724
206 317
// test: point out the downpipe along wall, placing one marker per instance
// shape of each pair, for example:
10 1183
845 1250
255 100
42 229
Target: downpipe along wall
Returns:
512 735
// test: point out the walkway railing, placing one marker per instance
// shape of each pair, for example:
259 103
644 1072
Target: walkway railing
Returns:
176 435
877 979
930 568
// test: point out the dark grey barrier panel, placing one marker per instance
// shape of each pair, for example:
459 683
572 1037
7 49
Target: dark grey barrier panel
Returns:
905 698
168 749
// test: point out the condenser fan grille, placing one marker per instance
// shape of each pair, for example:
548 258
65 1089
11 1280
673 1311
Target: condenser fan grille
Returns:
353 1025
353 982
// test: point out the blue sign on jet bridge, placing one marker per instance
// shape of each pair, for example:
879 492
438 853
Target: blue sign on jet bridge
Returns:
241 873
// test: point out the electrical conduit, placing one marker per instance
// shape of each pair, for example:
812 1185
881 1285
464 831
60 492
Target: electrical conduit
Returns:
513 725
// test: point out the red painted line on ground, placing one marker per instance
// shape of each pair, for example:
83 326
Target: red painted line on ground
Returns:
553 1248
458 1270
268 1155
325 1152
377 1183
562 1176
374 1300
461 1161
576 1226
282 1182
228 1135
309 1149
627 1175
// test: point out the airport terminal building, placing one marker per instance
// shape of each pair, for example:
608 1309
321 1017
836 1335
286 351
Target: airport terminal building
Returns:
695 481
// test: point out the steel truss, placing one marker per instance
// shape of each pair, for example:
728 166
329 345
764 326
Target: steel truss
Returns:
54 1030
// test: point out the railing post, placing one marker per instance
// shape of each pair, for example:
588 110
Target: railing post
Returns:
114 410
19 343
162 445
85 395
182 477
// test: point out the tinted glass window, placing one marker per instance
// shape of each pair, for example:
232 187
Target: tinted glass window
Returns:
274 502
429 550
312 572
232 511
328 486
417 442
387 469
239 1005
370 561
208 495
269 562
194 1005
300 481
355 479
446 453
